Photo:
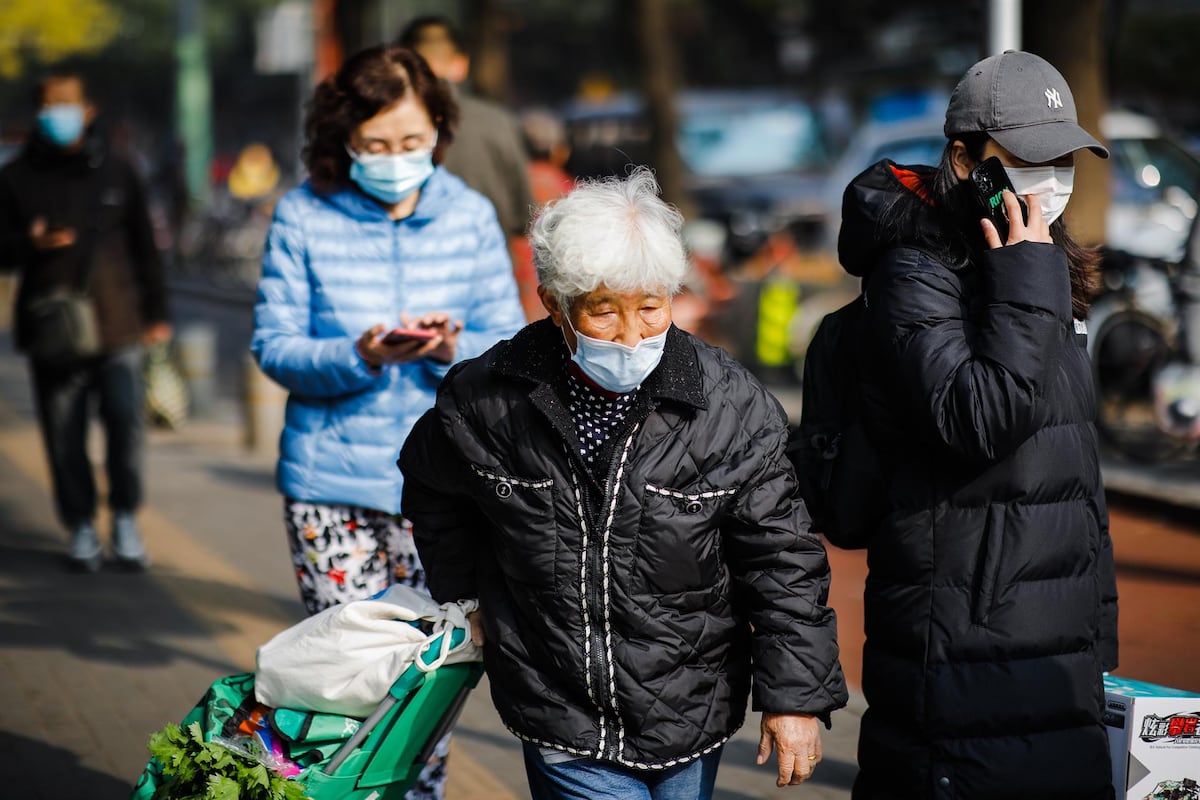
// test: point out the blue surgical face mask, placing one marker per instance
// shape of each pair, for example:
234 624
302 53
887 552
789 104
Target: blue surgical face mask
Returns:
389 177
615 366
61 123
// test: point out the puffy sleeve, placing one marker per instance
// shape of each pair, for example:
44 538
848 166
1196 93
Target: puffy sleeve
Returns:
447 524
781 578
495 312
979 383
282 342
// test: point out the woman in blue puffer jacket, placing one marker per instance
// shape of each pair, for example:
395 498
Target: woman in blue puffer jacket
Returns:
378 238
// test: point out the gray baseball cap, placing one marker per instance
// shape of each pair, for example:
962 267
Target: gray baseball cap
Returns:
1024 104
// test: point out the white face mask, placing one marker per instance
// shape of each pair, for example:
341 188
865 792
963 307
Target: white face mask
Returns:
615 366
1052 185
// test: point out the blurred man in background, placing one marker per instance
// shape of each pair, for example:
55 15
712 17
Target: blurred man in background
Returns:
488 153
546 143
74 222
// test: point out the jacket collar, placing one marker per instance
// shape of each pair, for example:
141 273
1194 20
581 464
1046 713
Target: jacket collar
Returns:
42 152
435 197
538 354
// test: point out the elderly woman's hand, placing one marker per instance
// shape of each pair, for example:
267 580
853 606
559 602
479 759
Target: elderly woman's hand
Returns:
477 635
371 348
796 738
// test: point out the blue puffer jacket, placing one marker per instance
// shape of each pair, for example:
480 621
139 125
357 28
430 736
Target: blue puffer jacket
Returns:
335 265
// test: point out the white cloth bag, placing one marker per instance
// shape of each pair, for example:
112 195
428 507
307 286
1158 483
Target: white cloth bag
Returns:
344 659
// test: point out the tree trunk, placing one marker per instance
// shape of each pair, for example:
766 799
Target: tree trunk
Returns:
1070 35
658 63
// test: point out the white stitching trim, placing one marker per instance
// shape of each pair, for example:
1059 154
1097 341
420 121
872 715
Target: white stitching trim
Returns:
528 484
608 650
623 761
674 761
583 603
540 743
681 496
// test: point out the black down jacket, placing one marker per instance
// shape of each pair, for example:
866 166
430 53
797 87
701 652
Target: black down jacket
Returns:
100 196
991 600
625 619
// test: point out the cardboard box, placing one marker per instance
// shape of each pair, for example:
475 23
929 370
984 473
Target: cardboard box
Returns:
1154 737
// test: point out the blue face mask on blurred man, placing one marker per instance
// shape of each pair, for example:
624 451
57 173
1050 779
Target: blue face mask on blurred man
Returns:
390 177
62 123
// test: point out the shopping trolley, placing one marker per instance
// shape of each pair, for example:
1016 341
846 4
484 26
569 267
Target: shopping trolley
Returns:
336 757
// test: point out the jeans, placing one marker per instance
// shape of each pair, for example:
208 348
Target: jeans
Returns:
587 779
65 396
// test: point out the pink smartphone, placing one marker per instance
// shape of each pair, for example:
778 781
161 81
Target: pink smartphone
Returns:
402 335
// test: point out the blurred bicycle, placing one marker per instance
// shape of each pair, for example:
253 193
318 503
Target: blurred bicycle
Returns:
1147 377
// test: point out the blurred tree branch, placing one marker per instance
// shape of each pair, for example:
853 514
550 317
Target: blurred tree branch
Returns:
50 30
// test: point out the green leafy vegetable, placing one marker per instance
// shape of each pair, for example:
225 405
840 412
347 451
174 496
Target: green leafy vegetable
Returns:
198 770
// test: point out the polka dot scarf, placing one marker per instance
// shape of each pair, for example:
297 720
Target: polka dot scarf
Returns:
597 413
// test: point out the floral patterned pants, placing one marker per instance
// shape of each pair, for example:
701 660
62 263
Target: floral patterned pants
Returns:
342 553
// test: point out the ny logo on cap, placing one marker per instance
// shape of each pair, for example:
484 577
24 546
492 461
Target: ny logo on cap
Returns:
1053 99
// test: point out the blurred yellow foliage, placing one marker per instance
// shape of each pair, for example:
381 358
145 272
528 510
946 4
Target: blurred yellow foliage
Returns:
52 29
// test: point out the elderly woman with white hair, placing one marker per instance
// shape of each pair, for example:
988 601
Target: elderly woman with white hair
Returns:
615 494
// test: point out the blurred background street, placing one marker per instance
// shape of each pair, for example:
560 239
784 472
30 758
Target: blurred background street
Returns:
755 115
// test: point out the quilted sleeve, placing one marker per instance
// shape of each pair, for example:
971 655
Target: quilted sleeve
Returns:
282 343
978 384
781 579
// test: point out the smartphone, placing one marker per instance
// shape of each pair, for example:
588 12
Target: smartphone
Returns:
989 181
402 335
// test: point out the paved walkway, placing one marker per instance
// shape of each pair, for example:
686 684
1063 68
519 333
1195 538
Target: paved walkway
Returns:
91 664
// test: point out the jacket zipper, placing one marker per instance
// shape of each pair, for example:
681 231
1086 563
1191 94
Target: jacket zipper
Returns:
598 606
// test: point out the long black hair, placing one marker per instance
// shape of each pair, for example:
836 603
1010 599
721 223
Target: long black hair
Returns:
958 239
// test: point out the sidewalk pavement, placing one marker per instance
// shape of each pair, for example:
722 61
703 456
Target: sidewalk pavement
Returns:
92 664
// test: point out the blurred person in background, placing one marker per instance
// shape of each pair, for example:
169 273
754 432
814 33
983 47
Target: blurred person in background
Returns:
73 217
380 236
487 152
546 143
255 176
615 494
991 602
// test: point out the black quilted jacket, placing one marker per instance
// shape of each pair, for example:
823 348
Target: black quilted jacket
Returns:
626 615
991 600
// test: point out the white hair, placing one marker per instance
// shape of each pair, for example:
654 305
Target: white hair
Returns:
613 231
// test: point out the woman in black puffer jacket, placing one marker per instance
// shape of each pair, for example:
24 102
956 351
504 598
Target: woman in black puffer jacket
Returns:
616 495
991 599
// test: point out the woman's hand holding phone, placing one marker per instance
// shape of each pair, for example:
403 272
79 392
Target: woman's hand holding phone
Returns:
1035 230
374 350
445 347
380 345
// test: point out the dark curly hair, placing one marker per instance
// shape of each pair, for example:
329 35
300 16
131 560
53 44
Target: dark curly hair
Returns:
367 83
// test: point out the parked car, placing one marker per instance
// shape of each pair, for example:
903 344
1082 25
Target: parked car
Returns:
756 160
1155 183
